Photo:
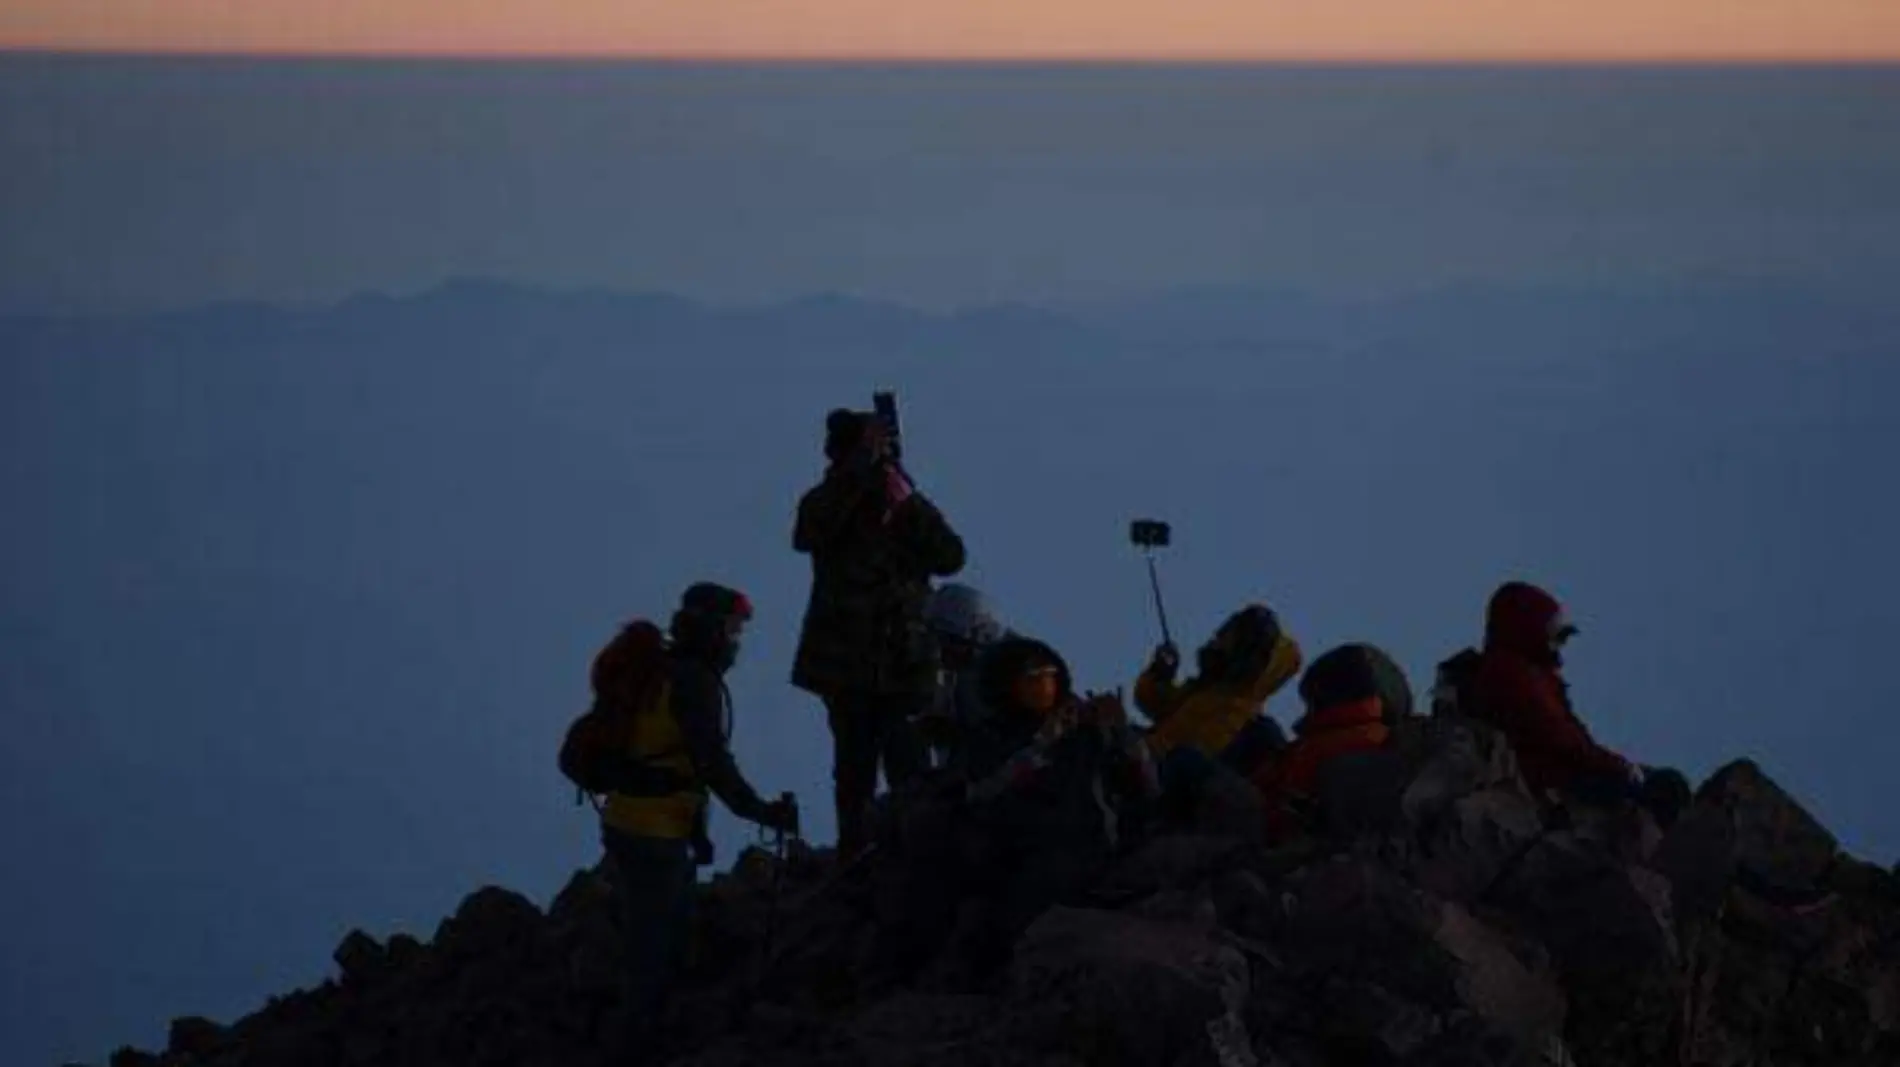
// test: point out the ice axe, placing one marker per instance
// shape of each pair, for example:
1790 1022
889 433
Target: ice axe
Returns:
1148 535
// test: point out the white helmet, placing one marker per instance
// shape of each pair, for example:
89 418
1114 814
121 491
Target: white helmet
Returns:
963 613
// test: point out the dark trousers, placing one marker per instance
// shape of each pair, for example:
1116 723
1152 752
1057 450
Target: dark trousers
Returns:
653 883
867 730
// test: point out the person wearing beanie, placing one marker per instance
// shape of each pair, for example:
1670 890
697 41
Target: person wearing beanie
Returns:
658 749
875 543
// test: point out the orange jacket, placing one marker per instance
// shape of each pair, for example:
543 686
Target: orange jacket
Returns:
1520 690
1286 781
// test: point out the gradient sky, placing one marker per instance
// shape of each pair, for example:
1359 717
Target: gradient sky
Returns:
1291 29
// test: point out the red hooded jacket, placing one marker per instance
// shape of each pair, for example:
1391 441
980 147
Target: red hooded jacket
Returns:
1520 690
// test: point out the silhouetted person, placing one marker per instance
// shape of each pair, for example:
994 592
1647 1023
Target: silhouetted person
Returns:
659 747
1354 695
1219 715
1519 688
965 628
875 542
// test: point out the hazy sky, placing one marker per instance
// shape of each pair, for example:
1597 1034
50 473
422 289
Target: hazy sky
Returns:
293 609
1404 29
148 183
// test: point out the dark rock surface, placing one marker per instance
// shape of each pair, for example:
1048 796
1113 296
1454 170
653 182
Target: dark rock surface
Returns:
1479 931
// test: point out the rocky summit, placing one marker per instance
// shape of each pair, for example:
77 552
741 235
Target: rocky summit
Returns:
1451 922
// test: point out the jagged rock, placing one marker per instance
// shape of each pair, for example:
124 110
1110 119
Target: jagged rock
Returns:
1611 930
194 1036
1475 841
1352 921
1456 758
1187 907
1118 989
1169 861
1368 1022
359 958
1468 931
403 951
1775 839
919 1028
1246 903
1506 985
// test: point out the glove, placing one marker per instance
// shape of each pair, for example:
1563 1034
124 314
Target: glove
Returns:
781 815
1166 662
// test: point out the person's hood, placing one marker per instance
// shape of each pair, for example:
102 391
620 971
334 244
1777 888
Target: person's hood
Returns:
1525 620
960 611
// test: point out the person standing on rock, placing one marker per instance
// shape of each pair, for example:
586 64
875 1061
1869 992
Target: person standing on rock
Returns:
875 543
657 743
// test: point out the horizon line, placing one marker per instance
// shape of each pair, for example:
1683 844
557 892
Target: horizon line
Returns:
927 60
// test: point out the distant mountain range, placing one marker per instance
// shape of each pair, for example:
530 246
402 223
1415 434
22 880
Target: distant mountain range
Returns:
1705 312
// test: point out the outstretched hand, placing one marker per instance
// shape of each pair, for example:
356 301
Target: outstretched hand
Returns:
781 815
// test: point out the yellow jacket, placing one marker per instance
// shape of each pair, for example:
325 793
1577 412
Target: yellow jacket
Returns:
655 736
1208 715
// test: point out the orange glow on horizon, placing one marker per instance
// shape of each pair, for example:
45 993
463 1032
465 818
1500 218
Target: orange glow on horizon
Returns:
949 30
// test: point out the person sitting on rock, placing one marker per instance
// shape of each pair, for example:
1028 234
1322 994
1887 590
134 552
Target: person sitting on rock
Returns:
1219 715
965 627
1519 689
1053 782
1355 698
673 722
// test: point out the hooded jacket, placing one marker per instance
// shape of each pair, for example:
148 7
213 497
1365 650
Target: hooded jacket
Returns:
1208 714
1287 781
1051 781
1520 690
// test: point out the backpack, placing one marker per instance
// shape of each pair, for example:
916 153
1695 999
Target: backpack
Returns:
1454 690
627 676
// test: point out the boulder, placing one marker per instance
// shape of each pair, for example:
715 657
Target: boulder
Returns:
923 1028
1611 930
1114 989
1473 842
1776 842
1456 757
359 958
1441 924
194 1037
1170 861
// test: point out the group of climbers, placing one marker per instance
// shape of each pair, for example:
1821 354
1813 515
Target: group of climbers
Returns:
1022 788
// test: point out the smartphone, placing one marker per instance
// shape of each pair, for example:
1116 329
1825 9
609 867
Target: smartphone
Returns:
1150 533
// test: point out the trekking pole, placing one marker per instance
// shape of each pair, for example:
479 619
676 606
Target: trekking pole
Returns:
1151 534
772 900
